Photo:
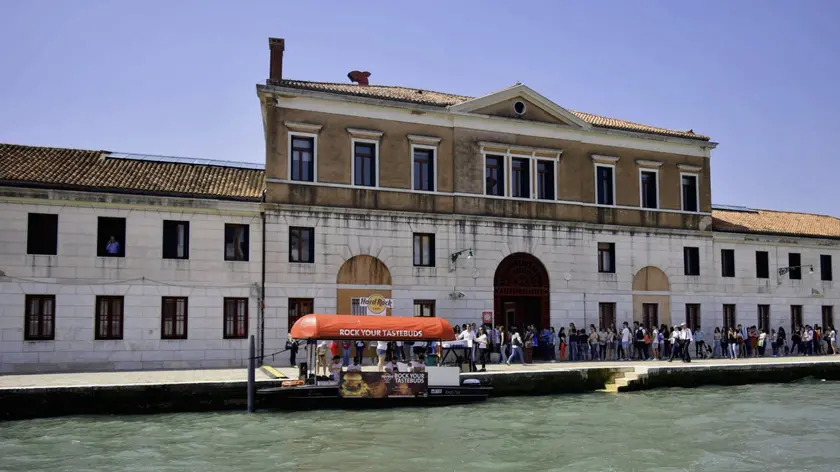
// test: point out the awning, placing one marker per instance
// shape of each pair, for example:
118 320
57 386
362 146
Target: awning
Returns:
372 328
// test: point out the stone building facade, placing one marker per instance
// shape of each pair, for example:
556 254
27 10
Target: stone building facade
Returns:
507 204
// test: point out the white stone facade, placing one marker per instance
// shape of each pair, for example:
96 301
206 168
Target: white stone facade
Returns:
76 275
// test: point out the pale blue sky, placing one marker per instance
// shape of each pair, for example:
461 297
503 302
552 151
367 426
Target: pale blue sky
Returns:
178 77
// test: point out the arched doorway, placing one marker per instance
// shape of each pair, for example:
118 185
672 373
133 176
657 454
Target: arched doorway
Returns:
521 292
361 276
651 309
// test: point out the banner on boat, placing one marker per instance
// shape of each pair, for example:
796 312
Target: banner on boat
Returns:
383 384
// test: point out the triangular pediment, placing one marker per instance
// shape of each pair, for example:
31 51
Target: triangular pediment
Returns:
532 107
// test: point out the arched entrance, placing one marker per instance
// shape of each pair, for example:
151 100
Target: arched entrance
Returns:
521 292
651 309
361 276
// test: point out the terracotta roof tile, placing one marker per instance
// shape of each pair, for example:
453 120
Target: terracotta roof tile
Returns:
776 222
427 97
93 170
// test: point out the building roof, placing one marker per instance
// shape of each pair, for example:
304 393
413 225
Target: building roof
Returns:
439 99
79 169
775 222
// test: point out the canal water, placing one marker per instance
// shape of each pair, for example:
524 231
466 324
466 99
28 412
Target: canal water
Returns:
768 428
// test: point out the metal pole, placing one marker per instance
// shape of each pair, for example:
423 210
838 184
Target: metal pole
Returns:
252 373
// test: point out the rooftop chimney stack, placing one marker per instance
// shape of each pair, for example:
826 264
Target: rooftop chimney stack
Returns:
275 68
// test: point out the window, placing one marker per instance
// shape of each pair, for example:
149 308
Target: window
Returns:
650 316
176 239
424 168
691 260
236 242
825 268
110 240
606 315
795 316
729 318
109 318
545 180
727 262
42 234
762 265
494 174
763 317
827 316
236 318
794 263
356 307
40 318
424 308
520 178
173 319
692 316
364 164
299 307
604 184
303 158
648 187
606 257
301 244
424 250
689 192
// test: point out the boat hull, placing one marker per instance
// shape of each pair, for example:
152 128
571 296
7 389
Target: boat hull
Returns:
327 397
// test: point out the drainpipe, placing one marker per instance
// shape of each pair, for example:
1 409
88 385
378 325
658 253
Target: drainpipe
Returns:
262 291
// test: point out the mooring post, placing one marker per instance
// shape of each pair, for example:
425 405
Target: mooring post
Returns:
252 374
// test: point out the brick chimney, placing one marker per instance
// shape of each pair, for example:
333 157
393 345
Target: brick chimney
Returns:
275 68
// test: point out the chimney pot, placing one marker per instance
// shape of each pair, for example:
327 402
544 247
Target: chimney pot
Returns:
276 46
359 77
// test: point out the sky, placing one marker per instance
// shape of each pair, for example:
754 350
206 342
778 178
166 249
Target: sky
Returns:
179 77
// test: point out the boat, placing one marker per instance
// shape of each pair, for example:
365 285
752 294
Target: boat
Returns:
431 385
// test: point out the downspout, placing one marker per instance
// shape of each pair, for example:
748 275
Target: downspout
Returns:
262 288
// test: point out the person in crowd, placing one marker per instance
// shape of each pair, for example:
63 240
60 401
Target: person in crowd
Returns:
552 344
561 338
381 353
699 343
616 343
626 339
817 341
293 347
515 346
781 342
638 341
573 343
503 344
796 341
762 341
419 365
666 340
688 338
391 366
322 366
773 340
355 366
602 343
593 343
732 339
418 349
345 353
654 343
610 355
742 348
360 351
807 339
676 343
493 334
483 347
532 344
831 340
468 336
335 368
717 337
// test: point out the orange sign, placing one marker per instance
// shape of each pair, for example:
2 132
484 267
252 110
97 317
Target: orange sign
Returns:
373 328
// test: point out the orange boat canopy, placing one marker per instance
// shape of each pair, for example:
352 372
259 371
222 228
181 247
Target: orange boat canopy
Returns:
372 328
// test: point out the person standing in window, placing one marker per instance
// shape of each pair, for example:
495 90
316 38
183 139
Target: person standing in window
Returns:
113 247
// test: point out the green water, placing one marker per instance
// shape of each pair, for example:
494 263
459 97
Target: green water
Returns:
769 428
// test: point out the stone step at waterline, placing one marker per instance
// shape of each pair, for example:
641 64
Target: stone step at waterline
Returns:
623 380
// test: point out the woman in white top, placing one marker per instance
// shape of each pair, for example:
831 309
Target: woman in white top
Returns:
381 350
335 368
483 350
